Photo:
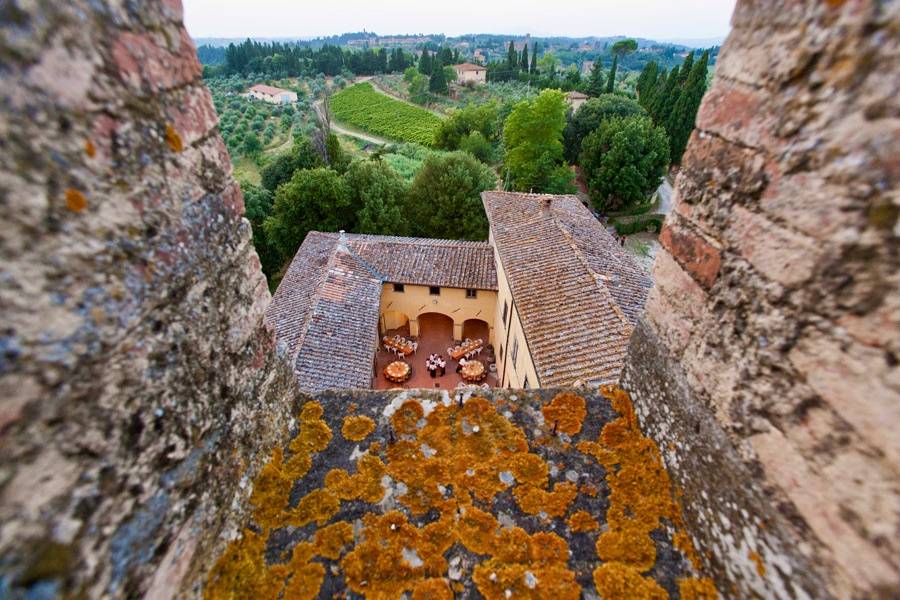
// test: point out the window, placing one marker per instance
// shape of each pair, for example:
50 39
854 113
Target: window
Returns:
470 293
515 350
505 311
434 291
525 385
398 287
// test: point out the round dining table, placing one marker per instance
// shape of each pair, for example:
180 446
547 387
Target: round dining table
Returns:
473 371
397 371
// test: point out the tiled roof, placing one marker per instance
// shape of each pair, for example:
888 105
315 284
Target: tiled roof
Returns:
422 261
326 311
326 308
469 67
577 292
269 90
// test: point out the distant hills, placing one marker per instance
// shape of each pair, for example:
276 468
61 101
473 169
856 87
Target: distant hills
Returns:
344 38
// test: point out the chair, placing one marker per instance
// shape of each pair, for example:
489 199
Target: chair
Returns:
415 346
485 386
450 350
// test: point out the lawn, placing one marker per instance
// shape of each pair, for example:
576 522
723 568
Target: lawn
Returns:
361 106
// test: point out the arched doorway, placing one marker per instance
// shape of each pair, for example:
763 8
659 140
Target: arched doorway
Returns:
436 327
475 329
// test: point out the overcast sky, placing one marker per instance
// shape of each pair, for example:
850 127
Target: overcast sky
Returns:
654 19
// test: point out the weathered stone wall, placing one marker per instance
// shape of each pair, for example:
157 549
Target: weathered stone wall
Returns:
138 384
766 364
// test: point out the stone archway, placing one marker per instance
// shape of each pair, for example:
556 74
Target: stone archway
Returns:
475 329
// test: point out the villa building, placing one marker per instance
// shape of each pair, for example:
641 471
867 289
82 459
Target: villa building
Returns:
575 99
272 94
470 73
551 293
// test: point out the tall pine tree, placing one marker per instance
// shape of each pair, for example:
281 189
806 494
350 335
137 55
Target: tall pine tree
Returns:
611 82
524 61
534 57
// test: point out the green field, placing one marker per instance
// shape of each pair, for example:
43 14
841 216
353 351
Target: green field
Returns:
363 107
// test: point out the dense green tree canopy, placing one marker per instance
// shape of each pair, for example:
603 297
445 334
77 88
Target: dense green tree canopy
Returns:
532 138
444 200
596 82
257 206
377 194
624 160
589 116
313 200
280 169
471 118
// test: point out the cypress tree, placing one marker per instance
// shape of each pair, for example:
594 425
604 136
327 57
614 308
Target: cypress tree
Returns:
525 58
425 63
655 93
438 83
666 102
646 80
686 67
611 82
512 57
596 83
684 113
534 56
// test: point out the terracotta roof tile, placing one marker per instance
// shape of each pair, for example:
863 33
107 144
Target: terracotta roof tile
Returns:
327 306
469 67
577 292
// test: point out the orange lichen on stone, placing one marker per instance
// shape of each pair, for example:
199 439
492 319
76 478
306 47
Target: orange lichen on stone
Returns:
390 558
75 200
633 548
616 581
433 588
640 495
331 540
757 559
565 413
534 500
241 571
357 428
581 521
697 589
317 506
89 148
529 469
406 419
173 139
305 576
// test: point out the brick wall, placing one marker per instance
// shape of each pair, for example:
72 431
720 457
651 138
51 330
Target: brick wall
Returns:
766 364
138 384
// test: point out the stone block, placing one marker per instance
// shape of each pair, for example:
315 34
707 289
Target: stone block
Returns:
692 251
781 255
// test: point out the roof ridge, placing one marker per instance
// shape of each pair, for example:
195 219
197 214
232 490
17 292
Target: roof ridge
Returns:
596 276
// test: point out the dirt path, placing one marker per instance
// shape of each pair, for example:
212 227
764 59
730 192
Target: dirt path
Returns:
385 92
367 137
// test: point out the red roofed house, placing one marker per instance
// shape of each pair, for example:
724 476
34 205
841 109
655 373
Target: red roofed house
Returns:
271 94
467 72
